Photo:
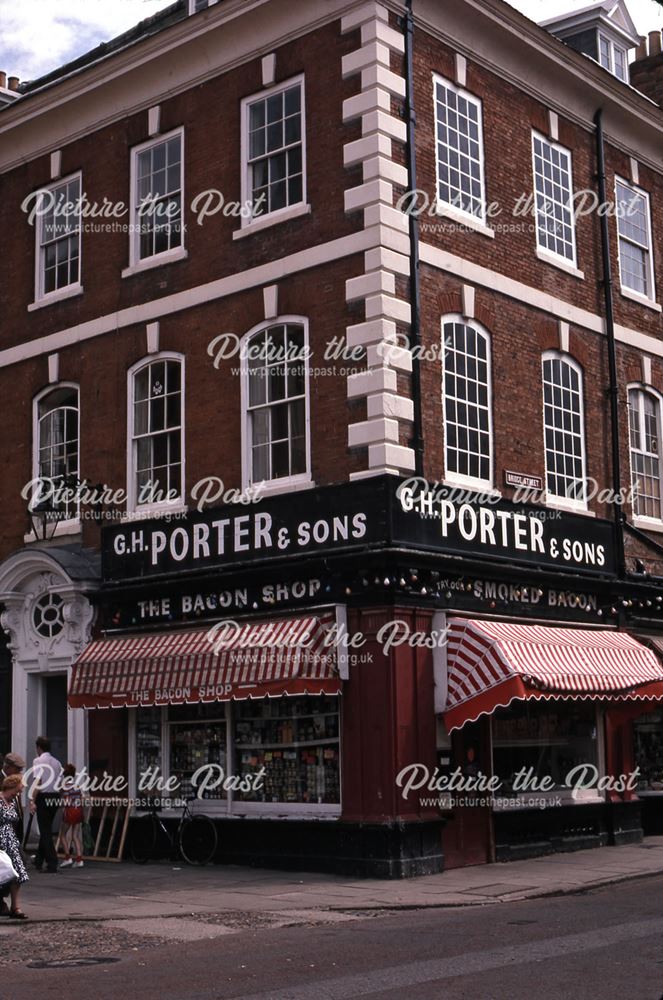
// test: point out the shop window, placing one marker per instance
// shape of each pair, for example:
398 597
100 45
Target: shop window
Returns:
459 134
59 238
467 404
296 740
636 266
156 423
148 743
563 430
648 747
157 183
275 371
274 150
553 190
549 738
644 435
57 451
197 738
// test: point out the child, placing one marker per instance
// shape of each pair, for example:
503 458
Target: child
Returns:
72 820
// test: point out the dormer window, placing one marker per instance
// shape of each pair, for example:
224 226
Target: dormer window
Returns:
196 5
604 31
612 57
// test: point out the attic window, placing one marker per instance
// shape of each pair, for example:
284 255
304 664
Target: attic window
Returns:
196 5
612 57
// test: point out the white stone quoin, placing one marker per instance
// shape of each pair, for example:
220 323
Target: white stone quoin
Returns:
388 259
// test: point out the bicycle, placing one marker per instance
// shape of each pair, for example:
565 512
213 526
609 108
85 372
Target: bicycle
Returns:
195 838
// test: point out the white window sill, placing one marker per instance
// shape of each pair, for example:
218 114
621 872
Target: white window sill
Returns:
265 221
472 486
167 257
641 300
464 219
285 810
70 292
72 526
277 486
648 524
156 510
559 503
563 265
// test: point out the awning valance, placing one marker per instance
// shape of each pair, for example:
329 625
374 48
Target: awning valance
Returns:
219 663
491 664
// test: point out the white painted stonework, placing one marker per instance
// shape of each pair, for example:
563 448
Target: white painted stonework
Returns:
376 287
27 580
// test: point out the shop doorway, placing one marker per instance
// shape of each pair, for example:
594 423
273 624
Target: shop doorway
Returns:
55 715
467 837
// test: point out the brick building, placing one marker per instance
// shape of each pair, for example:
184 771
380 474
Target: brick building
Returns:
320 345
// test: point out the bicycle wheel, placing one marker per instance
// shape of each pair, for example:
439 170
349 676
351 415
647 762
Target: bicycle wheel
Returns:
198 840
143 839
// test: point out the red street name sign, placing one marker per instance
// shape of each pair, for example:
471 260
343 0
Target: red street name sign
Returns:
520 479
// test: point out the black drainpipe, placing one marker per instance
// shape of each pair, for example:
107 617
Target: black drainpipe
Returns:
612 354
415 291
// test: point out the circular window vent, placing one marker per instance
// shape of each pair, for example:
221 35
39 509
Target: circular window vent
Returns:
47 615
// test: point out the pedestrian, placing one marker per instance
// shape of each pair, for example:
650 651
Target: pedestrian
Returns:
44 801
72 819
9 791
12 763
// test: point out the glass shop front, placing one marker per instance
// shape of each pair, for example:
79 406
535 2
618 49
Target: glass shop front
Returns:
270 755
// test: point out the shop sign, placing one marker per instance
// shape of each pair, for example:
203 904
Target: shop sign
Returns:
456 521
202 603
549 598
312 521
520 598
353 516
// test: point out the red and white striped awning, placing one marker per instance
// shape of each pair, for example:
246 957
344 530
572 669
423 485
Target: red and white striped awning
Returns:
222 662
490 664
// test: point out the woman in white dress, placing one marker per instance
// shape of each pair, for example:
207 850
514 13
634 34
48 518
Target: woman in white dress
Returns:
9 792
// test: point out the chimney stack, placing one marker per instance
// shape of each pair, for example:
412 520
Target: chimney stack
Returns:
3 80
647 70
13 83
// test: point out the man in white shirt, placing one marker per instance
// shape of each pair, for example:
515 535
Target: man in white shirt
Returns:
44 802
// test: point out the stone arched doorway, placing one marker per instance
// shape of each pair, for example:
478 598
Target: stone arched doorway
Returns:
47 617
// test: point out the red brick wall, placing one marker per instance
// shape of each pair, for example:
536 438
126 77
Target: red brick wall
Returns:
509 115
210 114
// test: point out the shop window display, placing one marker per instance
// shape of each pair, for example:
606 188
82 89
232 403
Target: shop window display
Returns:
148 741
197 738
549 738
648 746
296 740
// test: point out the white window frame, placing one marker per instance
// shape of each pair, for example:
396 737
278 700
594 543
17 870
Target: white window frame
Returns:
69 525
554 498
75 287
628 292
136 263
287 483
289 211
612 45
444 207
161 506
208 3
645 520
455 478
544 251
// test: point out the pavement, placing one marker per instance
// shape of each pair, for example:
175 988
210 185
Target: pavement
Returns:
128 892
